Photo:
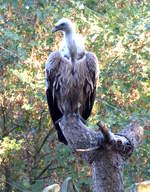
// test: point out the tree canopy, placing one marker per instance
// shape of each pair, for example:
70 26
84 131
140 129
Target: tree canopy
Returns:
118 32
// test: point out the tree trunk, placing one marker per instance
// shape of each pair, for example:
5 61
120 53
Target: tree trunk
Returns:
107 169
105 151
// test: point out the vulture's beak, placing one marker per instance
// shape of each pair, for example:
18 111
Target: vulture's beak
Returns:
54 29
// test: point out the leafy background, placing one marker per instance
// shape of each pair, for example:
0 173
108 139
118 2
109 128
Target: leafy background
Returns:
119 33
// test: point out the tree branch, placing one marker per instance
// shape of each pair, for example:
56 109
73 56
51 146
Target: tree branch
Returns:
42 172
104 150
43 143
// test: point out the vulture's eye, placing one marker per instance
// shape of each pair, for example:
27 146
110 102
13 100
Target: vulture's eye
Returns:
62 25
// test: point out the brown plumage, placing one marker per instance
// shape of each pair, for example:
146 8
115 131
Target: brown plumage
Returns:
69 92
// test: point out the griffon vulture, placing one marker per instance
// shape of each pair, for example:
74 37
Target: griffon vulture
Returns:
71 77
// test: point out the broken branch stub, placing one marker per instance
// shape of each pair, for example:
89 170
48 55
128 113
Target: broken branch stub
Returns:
87 142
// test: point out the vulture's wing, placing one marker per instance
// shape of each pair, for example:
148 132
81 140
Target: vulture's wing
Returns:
92 65
51 69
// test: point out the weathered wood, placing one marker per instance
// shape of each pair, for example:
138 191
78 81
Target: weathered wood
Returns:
105 151
52 188
79 137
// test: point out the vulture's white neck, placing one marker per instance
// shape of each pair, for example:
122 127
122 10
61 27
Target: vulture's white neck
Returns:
71 43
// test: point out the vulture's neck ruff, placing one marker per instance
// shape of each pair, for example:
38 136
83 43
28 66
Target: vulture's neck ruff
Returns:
71 40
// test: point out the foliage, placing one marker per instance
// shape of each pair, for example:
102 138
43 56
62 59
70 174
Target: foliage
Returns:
8 148
118 32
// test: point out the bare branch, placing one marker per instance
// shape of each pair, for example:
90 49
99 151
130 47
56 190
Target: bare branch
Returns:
43 143
42 172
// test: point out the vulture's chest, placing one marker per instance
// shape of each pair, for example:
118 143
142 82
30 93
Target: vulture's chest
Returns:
71 90
69 82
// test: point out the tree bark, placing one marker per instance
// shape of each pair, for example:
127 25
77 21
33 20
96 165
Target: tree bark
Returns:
106 152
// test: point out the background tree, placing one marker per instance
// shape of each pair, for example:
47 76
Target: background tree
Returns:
118 32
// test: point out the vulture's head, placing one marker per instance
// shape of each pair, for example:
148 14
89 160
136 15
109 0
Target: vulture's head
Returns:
64 25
